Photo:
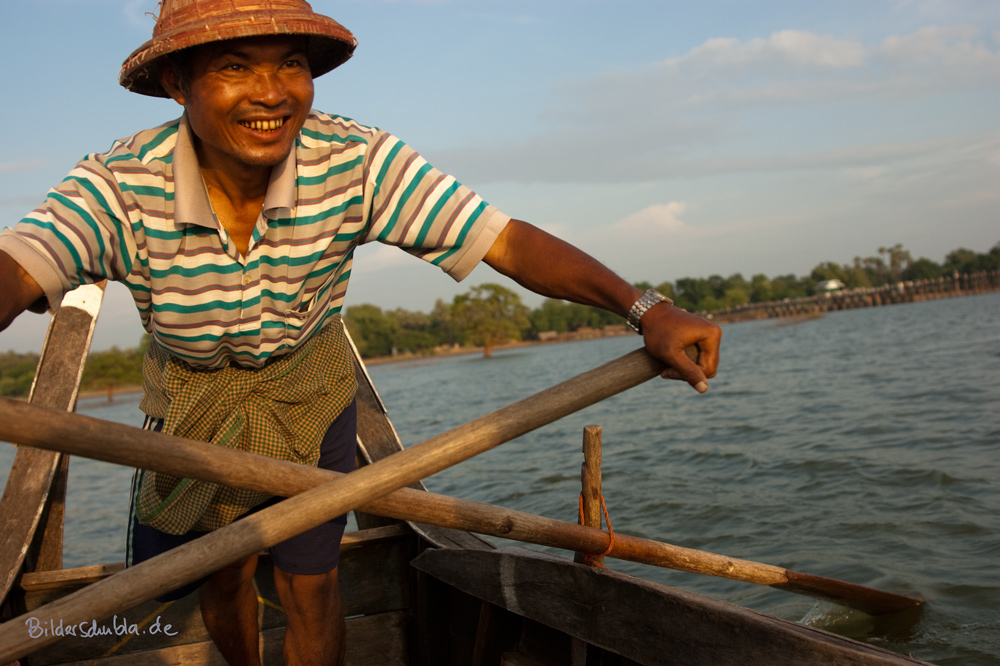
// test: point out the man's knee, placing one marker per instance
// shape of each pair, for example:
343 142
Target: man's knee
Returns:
308 593
233 576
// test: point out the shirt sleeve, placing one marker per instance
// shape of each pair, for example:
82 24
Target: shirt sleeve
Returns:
76 236
427 213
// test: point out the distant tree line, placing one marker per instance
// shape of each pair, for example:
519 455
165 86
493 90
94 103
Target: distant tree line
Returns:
112 367
489 314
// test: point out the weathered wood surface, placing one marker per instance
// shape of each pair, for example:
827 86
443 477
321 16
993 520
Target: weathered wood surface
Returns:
32 506
81 576
372 640
649 623
123 444
590 488
374 581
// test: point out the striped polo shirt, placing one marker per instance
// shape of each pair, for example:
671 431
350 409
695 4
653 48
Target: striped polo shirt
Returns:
140 214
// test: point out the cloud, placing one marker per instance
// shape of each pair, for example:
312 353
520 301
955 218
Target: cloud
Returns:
724 74
655 219
24 165
795 47
794 99
378 256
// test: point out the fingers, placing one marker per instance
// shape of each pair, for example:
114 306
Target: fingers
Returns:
684 369
697 358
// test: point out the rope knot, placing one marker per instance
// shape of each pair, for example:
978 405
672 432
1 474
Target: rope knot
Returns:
591 559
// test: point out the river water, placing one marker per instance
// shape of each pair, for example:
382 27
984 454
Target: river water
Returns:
861 446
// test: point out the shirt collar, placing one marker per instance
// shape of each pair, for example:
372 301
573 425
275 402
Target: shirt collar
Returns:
191 202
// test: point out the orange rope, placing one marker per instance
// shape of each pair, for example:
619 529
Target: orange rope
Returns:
589 559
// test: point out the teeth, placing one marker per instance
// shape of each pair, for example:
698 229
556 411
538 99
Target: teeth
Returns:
263 125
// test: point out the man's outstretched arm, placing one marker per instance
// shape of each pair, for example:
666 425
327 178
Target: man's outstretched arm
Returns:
19 291
551 267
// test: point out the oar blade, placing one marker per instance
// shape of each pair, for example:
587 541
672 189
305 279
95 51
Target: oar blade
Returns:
851 595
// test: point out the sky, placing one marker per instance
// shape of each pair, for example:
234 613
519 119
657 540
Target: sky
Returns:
668 139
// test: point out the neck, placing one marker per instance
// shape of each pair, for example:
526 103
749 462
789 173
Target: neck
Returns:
239 188
241 183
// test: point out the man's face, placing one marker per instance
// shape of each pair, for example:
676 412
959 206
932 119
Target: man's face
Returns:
246 100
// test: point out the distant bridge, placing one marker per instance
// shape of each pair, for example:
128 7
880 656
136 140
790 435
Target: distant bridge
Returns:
847 299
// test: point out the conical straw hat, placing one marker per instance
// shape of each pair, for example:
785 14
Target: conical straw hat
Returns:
185 23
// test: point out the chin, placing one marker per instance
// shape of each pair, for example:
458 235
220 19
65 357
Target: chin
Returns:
265 159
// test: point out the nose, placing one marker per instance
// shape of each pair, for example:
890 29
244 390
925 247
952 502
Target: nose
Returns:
268 88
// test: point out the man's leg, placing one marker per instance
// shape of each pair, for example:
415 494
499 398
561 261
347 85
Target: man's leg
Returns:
229 609
306 566
314 631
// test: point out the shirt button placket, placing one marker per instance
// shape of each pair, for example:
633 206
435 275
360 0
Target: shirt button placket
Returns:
247 314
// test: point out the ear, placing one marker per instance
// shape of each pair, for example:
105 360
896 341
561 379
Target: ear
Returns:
171 82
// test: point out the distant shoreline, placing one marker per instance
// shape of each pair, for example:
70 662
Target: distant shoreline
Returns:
116 391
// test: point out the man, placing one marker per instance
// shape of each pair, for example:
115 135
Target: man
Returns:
234 229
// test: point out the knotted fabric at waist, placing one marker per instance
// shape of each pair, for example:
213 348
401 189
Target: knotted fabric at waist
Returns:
281 410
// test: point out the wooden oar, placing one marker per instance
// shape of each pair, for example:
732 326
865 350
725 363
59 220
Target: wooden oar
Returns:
308 509
38 478
121 444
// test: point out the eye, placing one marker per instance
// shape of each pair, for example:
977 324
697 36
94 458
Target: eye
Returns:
295 63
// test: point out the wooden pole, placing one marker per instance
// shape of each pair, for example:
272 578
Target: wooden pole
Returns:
112 442
590 481
312 507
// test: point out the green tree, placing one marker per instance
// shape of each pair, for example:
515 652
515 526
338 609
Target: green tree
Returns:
373 332
113 368
694 294
897 259
17 371
413 331
443 326
829 271
760 289
923 269
964 260
490 314
665 288
735 291
789 286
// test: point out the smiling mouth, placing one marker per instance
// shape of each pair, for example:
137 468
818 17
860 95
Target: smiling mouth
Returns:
263 125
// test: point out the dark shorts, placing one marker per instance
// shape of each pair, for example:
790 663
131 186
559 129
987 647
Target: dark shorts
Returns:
315 551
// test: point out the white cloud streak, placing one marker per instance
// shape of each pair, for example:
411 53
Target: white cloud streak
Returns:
23 165
697 114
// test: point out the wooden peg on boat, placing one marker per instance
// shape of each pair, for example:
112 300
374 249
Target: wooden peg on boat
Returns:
590 496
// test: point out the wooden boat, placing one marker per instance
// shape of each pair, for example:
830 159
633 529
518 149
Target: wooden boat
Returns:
413 593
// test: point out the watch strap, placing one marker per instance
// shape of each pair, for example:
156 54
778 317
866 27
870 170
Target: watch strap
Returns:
639 308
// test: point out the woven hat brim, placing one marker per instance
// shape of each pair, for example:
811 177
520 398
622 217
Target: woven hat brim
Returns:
330 45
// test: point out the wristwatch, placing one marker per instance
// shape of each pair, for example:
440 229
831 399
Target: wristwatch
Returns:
646 301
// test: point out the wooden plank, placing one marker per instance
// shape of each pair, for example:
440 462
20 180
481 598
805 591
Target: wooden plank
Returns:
29 485
80 576
642 621
68 578
373 640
